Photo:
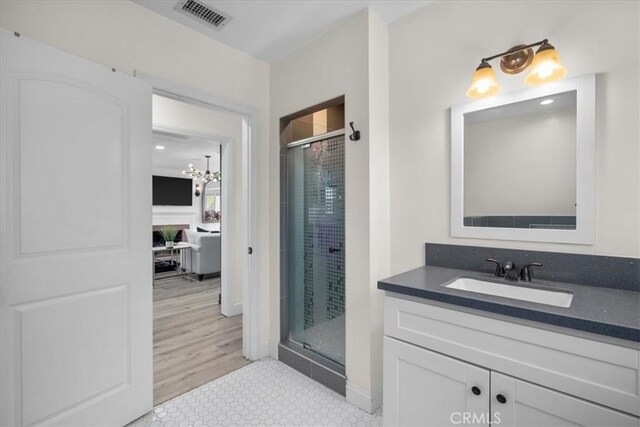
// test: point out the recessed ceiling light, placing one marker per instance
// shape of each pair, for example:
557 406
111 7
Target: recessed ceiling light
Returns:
547 102
159 147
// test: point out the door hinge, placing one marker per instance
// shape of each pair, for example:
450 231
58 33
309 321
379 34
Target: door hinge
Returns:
250 250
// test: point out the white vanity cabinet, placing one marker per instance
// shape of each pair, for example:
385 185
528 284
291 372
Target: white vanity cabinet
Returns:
448 367
527 404
427 388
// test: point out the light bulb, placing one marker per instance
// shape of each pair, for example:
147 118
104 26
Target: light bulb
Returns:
483 82
545 70
483 86
546 66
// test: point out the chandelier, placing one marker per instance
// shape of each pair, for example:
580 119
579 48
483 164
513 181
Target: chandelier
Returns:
206 176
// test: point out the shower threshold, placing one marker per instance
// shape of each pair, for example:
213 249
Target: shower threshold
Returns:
313 365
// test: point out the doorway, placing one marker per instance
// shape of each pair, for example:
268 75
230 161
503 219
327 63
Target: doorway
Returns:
252 346
198 303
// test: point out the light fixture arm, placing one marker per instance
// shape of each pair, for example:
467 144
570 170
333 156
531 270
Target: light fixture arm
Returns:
511 52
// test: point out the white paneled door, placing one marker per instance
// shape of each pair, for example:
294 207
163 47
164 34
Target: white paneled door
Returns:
75 200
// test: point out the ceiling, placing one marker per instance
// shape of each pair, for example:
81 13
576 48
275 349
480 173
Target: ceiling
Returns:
270 30
178 153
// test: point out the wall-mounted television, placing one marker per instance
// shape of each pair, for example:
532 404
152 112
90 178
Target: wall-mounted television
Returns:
170 191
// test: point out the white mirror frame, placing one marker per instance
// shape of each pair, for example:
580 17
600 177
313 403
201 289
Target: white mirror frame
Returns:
585 87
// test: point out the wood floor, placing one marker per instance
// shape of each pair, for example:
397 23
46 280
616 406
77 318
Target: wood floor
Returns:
192 342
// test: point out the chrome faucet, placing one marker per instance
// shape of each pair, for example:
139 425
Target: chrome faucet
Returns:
508 271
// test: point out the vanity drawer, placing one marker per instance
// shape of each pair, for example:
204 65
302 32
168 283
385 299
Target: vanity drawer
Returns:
600 372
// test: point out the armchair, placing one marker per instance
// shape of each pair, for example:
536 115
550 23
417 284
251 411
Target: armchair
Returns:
205 250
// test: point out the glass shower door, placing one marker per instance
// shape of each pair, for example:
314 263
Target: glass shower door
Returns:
315 246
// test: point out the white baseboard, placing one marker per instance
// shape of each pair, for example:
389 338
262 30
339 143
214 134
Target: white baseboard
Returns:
235 310
363 399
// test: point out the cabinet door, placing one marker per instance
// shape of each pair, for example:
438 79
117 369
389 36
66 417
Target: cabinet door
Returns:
526 404
423 388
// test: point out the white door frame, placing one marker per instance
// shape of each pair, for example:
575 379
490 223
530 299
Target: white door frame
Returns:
252 348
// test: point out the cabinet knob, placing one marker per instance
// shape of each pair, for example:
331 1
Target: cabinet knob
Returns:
475 390
500 398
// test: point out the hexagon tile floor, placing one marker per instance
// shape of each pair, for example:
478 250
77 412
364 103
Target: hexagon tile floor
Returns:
264 393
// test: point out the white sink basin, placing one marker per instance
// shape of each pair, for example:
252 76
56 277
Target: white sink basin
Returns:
541 296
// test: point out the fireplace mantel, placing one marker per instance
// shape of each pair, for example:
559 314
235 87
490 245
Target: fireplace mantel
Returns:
180 227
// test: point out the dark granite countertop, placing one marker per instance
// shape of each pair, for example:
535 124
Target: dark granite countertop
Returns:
604 311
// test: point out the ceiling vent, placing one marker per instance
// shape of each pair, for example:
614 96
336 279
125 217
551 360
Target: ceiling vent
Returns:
205 14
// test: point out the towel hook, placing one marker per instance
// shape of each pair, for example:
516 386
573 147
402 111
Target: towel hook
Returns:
355 136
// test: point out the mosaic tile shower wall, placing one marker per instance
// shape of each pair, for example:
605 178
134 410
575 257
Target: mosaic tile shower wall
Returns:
324 227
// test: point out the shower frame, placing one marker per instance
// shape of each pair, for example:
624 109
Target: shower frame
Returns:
306 361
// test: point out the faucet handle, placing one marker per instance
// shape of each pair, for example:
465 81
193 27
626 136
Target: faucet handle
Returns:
499 268
525 274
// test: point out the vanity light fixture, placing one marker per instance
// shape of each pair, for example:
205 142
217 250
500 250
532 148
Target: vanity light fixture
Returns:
545 68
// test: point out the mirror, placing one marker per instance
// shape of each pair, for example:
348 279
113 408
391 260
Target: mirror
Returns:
211 202
522 164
